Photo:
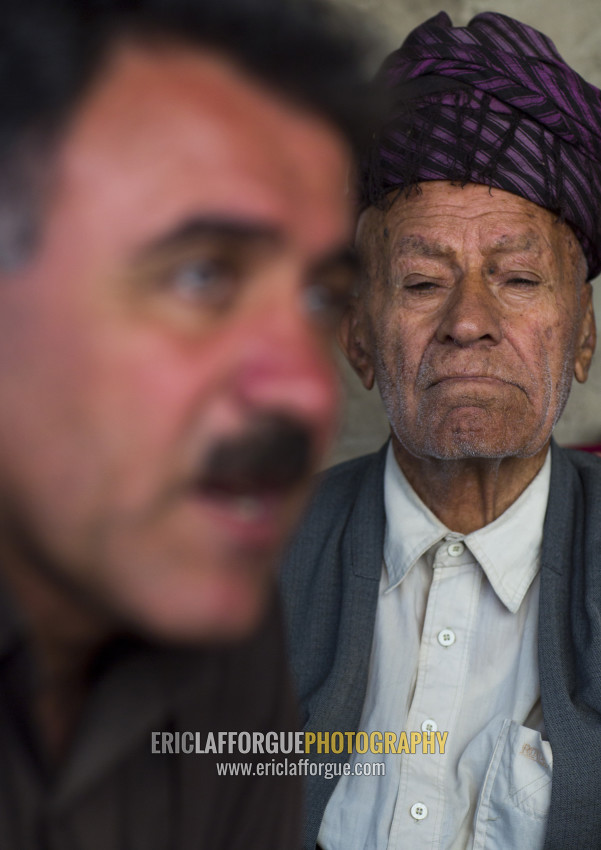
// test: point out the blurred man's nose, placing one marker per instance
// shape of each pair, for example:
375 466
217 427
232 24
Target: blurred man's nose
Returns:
287 364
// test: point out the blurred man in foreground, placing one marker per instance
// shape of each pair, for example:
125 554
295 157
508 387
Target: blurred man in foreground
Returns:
173 225
422 569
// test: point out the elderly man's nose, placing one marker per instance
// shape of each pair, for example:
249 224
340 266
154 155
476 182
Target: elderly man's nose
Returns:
471 315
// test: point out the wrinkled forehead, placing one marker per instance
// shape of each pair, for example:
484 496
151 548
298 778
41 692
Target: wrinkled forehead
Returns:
445 221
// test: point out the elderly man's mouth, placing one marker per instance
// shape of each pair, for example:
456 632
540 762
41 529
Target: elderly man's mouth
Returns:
492 380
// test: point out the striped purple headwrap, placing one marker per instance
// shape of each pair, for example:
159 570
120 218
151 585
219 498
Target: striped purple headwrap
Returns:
491 103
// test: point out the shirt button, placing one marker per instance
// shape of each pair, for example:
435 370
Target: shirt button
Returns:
446 637
419 811
455 549
429 725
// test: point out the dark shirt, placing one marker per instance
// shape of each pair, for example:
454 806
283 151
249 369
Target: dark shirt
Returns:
111 792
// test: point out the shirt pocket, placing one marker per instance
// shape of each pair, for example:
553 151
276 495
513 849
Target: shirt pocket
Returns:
514 803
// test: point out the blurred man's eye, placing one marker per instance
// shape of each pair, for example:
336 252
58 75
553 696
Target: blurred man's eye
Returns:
204 264
330 287
208 282
326 303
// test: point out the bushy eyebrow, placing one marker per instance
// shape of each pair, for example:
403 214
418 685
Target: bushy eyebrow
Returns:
523 244
420 247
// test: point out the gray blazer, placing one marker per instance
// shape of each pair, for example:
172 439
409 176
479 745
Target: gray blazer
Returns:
330 585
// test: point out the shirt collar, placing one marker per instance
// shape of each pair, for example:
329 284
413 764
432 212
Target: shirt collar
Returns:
411 527
507 549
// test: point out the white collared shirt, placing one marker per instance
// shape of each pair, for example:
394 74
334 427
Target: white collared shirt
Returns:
454 650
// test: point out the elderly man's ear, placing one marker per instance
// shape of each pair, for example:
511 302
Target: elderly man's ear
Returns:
587 338
353 339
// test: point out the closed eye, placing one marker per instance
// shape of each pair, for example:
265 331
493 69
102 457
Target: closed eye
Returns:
523 281
421 286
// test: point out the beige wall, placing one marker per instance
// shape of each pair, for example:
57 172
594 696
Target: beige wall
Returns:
576 29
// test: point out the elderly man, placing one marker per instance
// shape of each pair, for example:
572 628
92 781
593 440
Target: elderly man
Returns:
449 587
173 235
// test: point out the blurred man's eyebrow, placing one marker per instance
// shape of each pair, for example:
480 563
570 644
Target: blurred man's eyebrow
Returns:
198 228
243 233
345 258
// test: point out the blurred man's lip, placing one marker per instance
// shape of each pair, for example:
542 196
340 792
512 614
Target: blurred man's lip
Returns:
247 482
249 519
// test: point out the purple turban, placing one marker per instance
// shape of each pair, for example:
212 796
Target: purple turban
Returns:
491 103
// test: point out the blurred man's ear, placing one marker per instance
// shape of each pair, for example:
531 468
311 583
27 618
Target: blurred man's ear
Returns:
353 341
587 337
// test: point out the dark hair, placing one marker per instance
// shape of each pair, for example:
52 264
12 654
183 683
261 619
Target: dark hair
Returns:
50 50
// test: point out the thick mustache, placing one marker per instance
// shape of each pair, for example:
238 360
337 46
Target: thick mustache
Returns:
274 453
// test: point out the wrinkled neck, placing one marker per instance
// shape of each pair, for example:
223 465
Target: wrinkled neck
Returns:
468 494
